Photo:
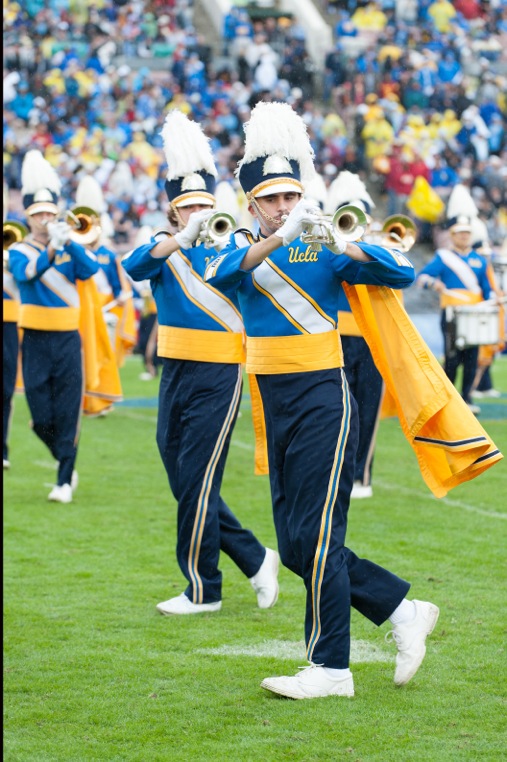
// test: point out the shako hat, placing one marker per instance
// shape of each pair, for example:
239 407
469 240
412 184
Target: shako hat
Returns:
40 185
461 210
191 174
278 154
348 188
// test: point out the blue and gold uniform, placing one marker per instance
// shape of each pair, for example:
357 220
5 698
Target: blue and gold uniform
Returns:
201 346
51 348
289 305
107 278
366 386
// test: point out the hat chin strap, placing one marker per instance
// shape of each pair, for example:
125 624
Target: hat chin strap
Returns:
179 218
267 218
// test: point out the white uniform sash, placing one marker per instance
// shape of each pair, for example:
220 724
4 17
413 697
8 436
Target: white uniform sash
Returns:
461 269
53 279
10 286
299 308
204 295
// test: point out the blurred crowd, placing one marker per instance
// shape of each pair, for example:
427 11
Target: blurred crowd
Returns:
410 88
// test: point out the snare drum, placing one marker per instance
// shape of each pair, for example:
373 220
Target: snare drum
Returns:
500 270
476 324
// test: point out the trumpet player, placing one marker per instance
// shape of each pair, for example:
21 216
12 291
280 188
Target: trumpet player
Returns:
288 293
365 381
200 342
45 266
115 295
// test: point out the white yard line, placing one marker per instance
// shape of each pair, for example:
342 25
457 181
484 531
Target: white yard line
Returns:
361 651
445 500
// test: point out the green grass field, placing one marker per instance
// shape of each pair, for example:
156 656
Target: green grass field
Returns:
93 672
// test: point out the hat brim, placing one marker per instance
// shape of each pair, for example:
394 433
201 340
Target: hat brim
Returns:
192 199
278 186
461 229
42 206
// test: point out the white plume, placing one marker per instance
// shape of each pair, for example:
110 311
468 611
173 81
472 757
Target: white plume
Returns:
275 129
186 147
37 173
121 180
346 188
461 202
479 230
89 193
316 189
226 199
143 236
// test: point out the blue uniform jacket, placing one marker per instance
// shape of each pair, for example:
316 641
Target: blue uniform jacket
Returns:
297 279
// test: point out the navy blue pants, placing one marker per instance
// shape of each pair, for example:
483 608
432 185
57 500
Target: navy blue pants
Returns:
53 380
198 407
312 430
367 388
10 356
455 357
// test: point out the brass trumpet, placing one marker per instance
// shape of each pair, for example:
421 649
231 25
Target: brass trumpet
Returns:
84 222
217 229
14 232
85 225
348 223
398 231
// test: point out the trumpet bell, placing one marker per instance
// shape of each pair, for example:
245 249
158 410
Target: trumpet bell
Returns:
399 231
14 232
350 222
85 225
217 229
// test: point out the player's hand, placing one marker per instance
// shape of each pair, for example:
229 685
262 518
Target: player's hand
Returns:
304 213
338 246
59 233
186 237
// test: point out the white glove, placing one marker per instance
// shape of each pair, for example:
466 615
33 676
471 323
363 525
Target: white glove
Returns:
338 246
304 213
59 234
190 233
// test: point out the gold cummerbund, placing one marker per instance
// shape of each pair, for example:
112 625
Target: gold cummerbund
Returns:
347 324
293 354
203 346
469 297
11 311
49 318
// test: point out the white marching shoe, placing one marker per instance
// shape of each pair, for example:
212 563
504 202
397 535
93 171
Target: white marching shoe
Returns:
410 638
61 494
7 464
361 490
183 605
310 682
265 582
74 480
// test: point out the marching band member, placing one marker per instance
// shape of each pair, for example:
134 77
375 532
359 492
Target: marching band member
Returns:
459 275
10 328
365 381
114 292
483 383
288 293
46 266
200 341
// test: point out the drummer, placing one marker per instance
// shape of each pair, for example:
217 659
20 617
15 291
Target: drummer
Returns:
459 275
